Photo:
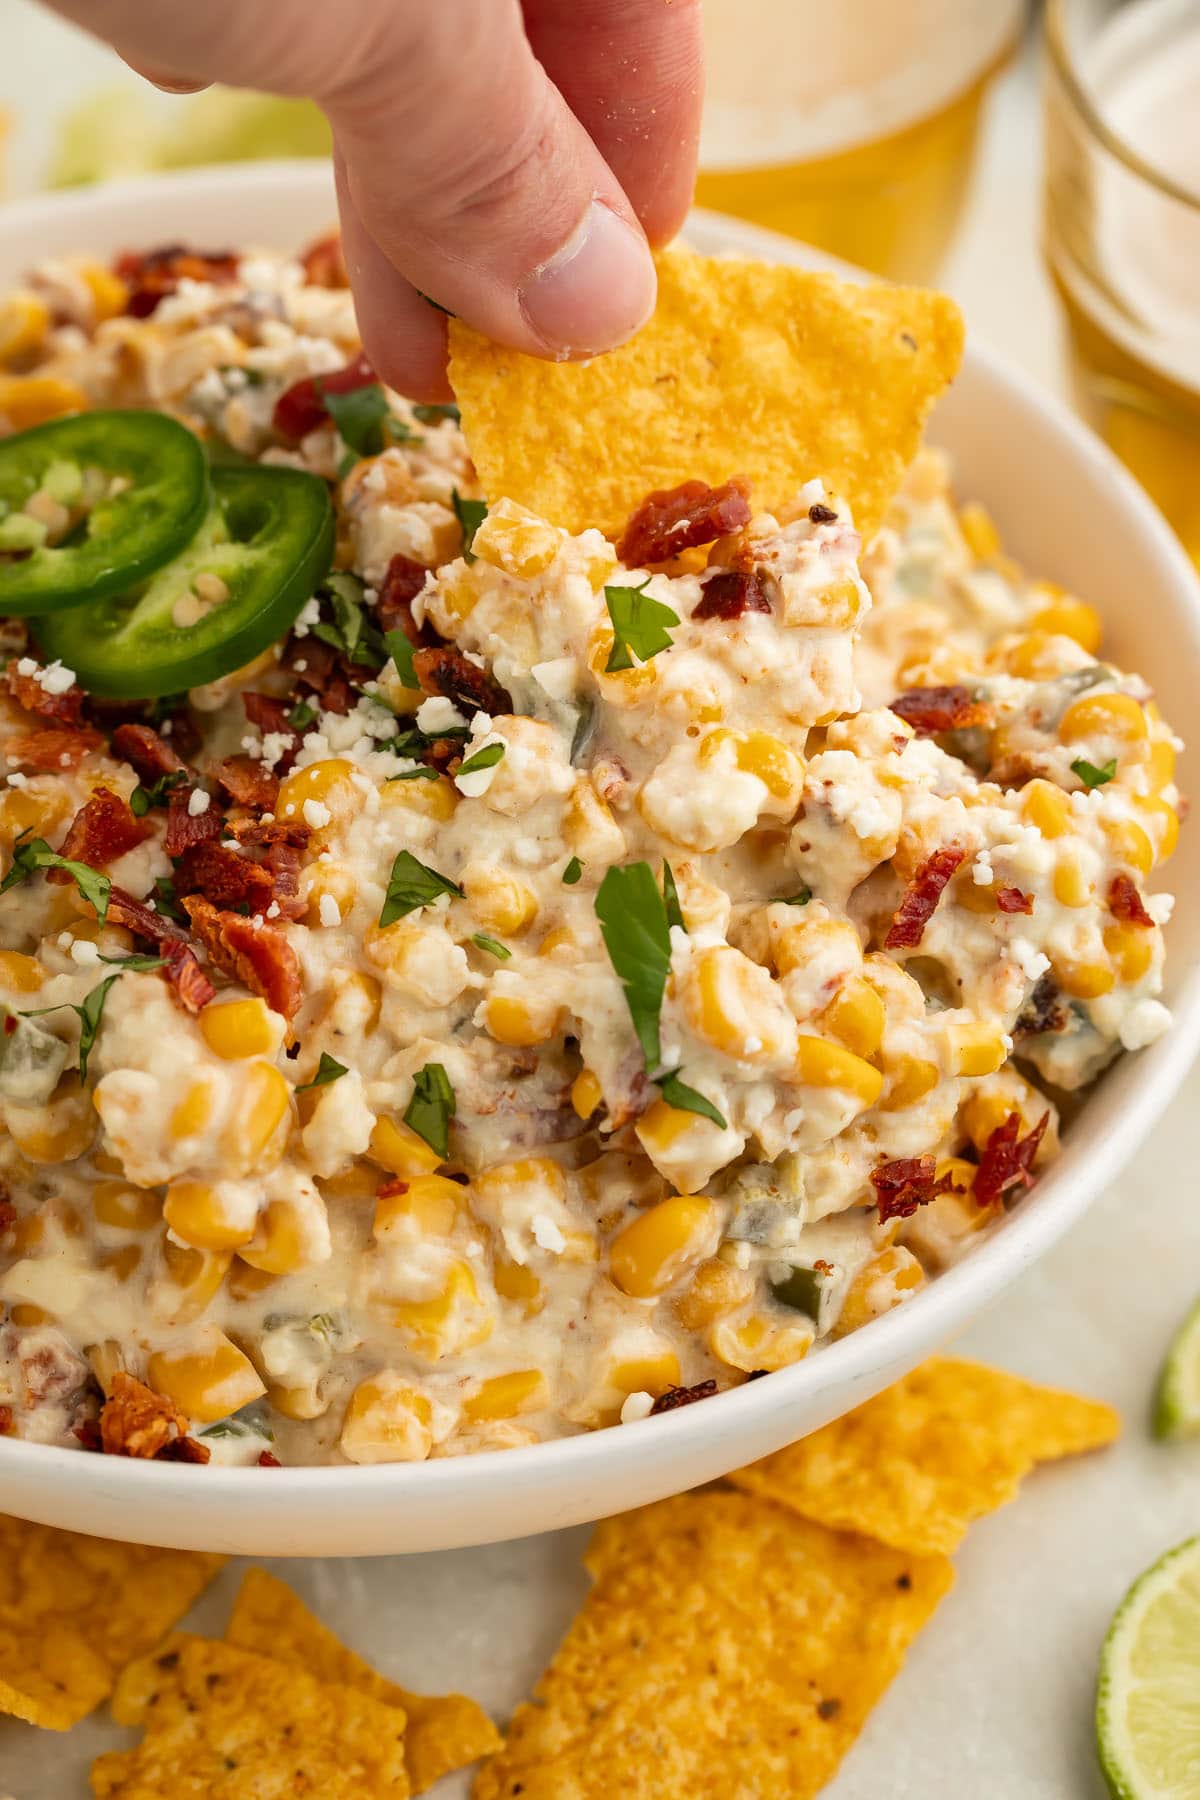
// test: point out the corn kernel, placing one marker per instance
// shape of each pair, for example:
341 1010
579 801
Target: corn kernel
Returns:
433 1202
38 807
1082 980
110 295
504 1396
499 901
192 1279
1160 765
975 1049
121 1262
286 1239
716 1288
24 1314
58 1132
1046 808
436 799
209 1383
733 1004
760 754
824 1065
1132 949
325 882
456 1319
1032 657
516 541
1067 617
759 1343
588 826
980 530
586 1094
194 1213
125 1208
190 1116
27 400
386 1421
882 1284
561 938
661 1126
1166 820
514 1281
651 1374
254 1137
1129 844
400 1151
1071 885
1115 716
656 1247
910 1079
245 1283
239 1028
521 1021
857 1016
984 1114
24 322
322 796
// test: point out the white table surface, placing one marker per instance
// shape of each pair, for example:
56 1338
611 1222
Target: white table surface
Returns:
995 1703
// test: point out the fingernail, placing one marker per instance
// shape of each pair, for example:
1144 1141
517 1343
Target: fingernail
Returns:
596 291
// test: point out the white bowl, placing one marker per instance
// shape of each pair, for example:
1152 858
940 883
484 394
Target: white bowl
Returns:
1068 510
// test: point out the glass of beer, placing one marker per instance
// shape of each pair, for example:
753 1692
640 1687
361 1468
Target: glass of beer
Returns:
852 124
1122 231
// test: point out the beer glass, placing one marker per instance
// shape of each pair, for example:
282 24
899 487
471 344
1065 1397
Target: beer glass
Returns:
852 124
1122 231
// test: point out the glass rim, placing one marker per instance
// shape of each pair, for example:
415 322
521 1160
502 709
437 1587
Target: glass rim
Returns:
1085 106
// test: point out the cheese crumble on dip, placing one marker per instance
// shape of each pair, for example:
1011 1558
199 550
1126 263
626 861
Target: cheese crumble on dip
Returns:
550 980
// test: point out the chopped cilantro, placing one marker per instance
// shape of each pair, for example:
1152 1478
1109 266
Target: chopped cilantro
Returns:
1090 775
360 417
639 623
431 1108
678 1094
143 798
470 515
328 1070
302 715
32 854
350 630
400 649
801 897
671 898
434 414
490 945
421 773
487 758
92 1007
166 900
136 965
412 885
572 872
633 923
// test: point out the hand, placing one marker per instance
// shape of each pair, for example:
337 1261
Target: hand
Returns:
508 160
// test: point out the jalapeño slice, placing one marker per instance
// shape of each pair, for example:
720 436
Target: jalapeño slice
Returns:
268 538
135 485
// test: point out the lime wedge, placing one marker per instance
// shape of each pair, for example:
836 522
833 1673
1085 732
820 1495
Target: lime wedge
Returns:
1148 1699
1177 1403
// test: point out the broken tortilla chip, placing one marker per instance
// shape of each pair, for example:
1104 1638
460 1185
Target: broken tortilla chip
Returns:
227 1724
916 1464
74 1610
746 368
726 1648
445 1731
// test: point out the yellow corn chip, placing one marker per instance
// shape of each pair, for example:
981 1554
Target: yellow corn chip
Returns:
726 1649
229 1725
917 1463
746 368
445 1731
74 1610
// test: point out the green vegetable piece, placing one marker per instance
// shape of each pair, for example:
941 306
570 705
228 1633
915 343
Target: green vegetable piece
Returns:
360 416
572 872
431 1108
491 946
31 1060
328 1070
89 1013
801 897
400 648
434 413
639 623
633 924
803 1290
678 1094
411 885
671 899
470 515
487 758
1090 775
32 854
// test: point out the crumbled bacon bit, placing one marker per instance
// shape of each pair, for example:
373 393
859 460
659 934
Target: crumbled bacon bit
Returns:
730 593
919 900
1044 1010
251 951
1008 1159
88 1434
224 877
142 920
184 1450
271 716
442 754
324 263
153 274
55 748
187 979
930 710
135 1421
906 1183
1125 902
185 828
266 1460
321 670
821 514
399 588
103 829
28 692
683 1396
248 783
301 408
674 519
282 863
270 831
443 670
1013 900
149 754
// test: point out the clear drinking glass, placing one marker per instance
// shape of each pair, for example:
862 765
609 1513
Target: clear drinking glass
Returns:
851 124
1122 231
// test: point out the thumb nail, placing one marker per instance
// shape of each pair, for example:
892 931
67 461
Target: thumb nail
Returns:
596 291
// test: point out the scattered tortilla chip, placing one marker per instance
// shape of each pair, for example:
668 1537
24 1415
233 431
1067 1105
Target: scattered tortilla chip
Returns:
727 1648
226 1724
445 1731
917 1463
746 368
74 1610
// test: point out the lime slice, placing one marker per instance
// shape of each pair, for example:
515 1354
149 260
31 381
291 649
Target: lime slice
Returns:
1177 1404
1148 1699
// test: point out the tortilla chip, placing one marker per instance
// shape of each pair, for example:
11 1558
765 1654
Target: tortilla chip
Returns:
226 1724
917 1463
74 1610
445 1731
746 368
727 1648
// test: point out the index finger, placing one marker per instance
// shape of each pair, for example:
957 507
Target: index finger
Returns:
632 72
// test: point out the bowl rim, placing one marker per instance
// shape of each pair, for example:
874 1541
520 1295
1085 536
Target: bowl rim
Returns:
850 1364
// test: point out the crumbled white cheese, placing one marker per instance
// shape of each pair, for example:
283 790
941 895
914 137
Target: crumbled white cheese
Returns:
85 953
558 678
316 814
329 910
636 1406
546 1234
1144 1024
27 666
982 872
275 746
55 678
308 616
1029 958
17 780
273 910
439 714
198 803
